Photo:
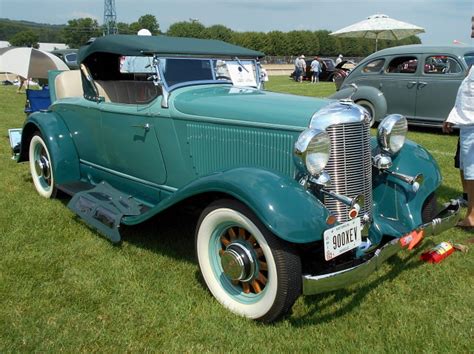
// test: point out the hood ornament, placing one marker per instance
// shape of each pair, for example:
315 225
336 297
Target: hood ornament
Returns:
349 98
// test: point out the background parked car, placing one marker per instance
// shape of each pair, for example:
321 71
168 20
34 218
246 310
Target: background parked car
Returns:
341 71
69 56
328 67
417 81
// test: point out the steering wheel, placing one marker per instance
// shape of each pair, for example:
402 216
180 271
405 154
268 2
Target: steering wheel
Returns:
223 77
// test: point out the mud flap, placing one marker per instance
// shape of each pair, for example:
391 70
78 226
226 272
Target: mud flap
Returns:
103 208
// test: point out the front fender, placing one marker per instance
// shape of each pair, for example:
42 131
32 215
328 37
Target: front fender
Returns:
367 93
283 205
58 139
397 208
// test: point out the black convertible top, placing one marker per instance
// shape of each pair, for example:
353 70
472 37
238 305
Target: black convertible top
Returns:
134 45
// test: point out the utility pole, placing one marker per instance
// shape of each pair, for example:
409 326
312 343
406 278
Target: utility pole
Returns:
110 17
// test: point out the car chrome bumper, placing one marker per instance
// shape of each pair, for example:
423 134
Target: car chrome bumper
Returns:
315 284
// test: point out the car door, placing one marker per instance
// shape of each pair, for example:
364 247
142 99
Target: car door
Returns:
399 84
84 122
437 87
130 144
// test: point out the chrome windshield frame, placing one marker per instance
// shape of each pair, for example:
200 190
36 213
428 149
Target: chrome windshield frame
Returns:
160 78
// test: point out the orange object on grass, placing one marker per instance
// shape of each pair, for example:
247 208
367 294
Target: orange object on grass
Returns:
412 239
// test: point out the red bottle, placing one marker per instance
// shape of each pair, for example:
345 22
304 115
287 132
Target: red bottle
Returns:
438 253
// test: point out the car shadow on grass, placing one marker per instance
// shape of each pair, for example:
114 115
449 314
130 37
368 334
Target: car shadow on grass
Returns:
351 299
446 193
170 233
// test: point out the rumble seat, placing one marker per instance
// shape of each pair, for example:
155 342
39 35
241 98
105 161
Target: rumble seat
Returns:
127 91
68 84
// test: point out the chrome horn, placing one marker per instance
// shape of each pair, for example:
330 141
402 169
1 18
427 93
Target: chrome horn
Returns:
351 202
414 181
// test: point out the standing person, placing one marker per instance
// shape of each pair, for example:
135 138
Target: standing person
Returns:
315 70
22 82
339 59
300 68
462 115
463 198
297 70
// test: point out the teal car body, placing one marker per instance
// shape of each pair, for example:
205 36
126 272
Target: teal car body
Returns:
418 81
294 193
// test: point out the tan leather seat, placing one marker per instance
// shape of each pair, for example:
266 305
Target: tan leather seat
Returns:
68 84
127 91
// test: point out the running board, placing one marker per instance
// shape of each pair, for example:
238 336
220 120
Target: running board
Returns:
103 208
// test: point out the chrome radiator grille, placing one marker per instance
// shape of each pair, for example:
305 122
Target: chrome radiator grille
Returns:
349 166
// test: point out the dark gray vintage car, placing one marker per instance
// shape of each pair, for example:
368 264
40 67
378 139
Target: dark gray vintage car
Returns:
417 81
295 196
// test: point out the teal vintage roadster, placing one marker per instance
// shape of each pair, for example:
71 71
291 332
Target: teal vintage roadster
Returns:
295 196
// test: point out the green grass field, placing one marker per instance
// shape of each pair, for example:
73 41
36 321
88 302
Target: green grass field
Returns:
65 288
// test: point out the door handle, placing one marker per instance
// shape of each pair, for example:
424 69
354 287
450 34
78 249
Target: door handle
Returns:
146 126
411 84
422 84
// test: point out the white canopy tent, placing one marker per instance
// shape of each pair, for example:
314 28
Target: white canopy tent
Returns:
379 26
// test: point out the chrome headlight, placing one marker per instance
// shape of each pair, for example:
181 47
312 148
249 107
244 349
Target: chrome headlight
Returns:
392 132
312 150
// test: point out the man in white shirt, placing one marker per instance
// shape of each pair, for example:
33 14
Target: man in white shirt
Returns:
315 70
462 115
300 68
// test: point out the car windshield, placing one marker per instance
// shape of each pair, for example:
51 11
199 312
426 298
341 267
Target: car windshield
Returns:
180 71
71 57
469 58
329 64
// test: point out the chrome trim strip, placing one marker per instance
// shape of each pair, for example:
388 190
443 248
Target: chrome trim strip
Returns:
226 121
316 284
120 174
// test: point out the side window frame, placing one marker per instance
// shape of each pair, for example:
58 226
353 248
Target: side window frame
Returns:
438 74
384 61
407 58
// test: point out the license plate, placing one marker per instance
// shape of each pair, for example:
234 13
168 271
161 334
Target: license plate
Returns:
342 238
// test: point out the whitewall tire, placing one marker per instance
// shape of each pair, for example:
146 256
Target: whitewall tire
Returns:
41 167
370 108
249 270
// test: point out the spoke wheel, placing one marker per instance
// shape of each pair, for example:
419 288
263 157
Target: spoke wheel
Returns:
243 260
41 167
248 269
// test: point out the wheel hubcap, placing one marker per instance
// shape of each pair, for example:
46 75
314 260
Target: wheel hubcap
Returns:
242 261
238 262
42 167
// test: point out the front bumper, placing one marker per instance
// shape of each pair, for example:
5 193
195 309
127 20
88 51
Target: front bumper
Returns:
315 284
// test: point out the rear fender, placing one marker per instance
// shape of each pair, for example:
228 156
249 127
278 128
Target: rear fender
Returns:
367 93
59 142
283 205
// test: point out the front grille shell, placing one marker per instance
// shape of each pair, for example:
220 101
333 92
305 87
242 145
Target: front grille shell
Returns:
350 163
349 167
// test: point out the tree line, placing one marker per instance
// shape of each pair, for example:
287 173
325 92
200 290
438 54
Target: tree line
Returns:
275 43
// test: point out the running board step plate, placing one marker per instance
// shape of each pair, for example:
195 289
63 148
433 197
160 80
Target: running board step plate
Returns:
103 208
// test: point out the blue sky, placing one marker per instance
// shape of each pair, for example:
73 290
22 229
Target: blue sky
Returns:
443 20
